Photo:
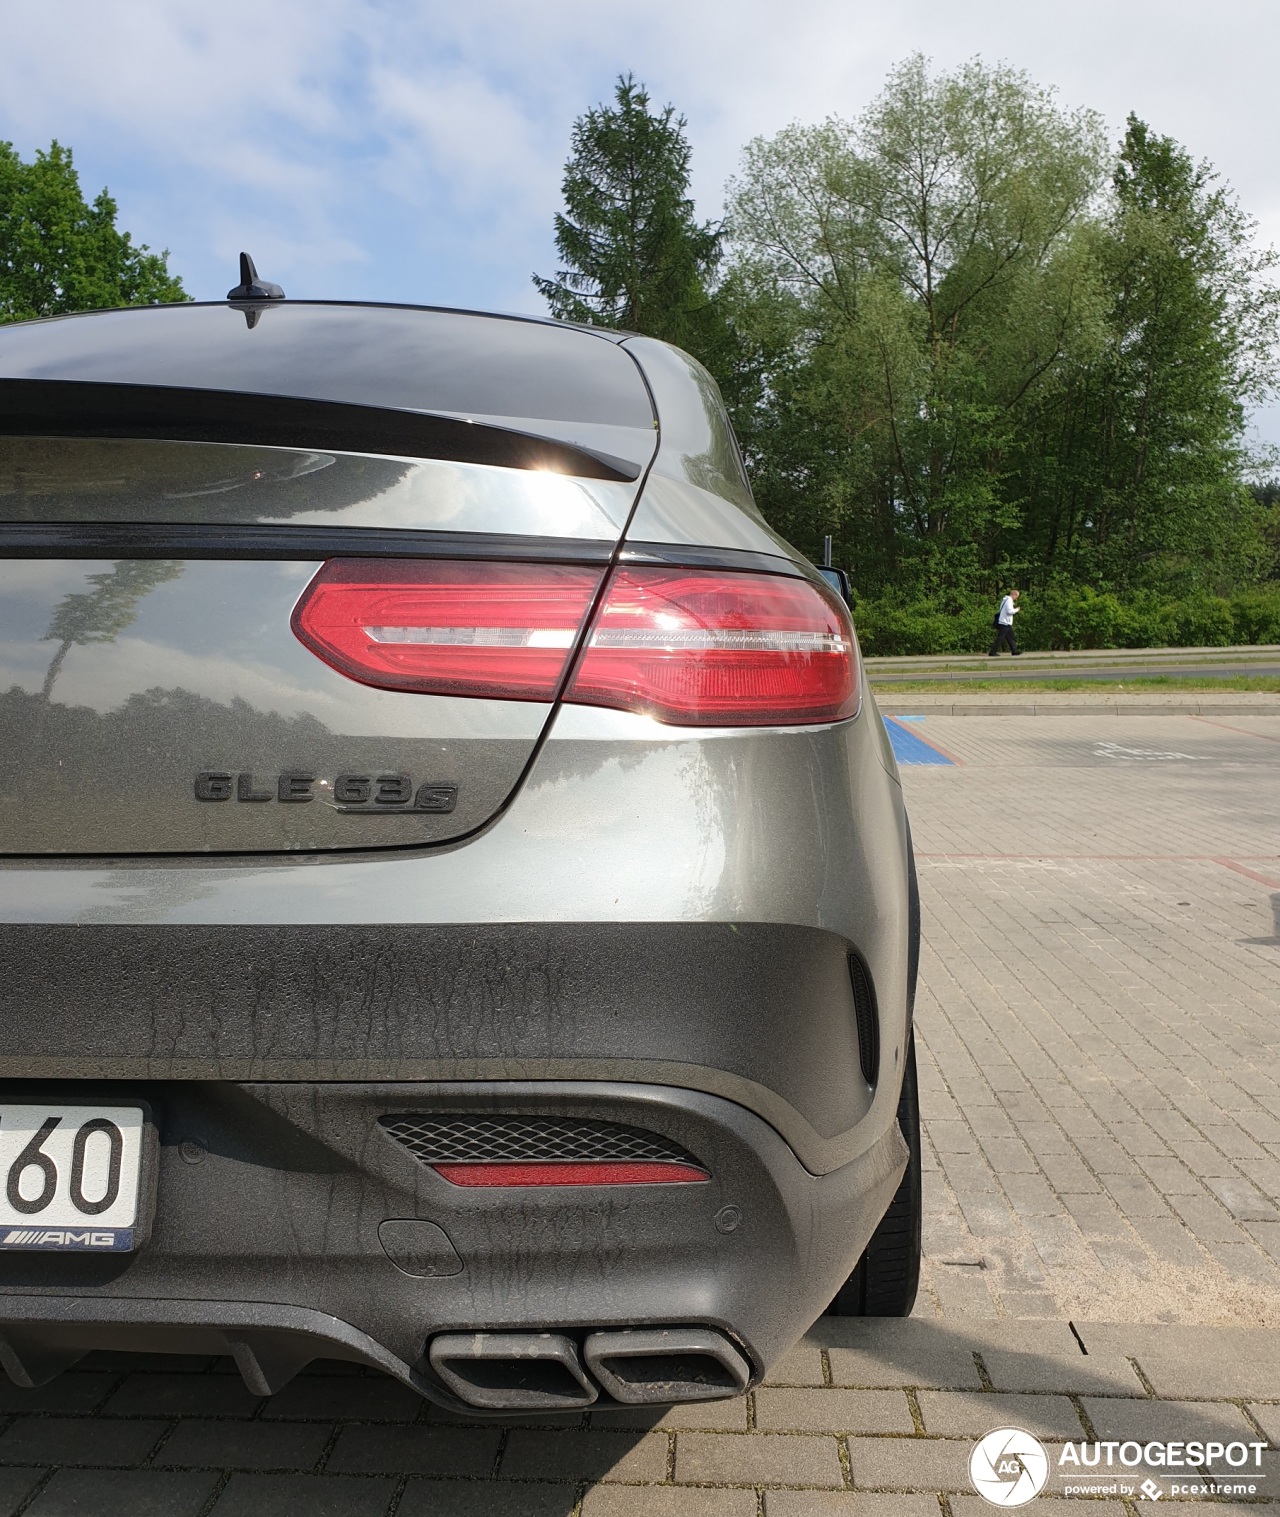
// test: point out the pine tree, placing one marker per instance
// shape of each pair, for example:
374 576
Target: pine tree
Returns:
634 254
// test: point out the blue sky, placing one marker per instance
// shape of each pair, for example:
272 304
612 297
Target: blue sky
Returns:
412 150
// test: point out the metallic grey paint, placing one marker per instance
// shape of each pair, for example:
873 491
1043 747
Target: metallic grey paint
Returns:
97 480
123 681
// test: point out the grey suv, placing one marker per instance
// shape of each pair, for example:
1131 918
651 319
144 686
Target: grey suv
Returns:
456 907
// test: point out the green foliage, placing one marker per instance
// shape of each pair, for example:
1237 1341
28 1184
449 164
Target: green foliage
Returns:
634 255
933 263
974 344
1070 617
59 253
1137 476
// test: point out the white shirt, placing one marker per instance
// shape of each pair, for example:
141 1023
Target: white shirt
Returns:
1007 611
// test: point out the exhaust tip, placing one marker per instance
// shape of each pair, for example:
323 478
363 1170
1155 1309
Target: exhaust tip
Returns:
661 1365
536 1372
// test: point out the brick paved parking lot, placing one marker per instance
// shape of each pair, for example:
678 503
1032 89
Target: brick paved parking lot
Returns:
1100 991
1100 984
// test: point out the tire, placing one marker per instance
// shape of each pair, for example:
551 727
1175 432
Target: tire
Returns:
886 1278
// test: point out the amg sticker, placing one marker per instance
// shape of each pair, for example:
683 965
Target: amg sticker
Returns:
369 794
97 1239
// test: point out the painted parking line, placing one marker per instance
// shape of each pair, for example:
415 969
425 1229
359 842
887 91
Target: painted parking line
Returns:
910 748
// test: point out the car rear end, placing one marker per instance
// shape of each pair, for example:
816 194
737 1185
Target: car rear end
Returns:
454 906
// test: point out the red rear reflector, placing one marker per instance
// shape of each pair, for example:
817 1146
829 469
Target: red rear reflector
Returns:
447 627
601 1172
705 647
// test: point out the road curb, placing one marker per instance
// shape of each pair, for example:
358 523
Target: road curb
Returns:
895 706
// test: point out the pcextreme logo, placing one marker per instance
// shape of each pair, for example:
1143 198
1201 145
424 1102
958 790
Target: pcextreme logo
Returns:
1008 1467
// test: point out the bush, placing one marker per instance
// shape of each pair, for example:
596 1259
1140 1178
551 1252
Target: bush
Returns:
1070 617
1256 614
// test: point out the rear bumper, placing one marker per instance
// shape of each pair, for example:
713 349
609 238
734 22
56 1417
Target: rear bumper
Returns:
759 1013
268 1246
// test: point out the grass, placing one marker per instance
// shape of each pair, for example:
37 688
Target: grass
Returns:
1266 684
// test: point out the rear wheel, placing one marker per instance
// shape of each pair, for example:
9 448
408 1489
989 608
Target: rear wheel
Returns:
886 1278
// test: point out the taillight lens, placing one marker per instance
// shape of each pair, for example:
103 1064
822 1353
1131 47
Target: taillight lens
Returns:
447 627
695 647
718 648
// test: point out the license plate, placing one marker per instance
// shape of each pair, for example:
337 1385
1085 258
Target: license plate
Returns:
70 1177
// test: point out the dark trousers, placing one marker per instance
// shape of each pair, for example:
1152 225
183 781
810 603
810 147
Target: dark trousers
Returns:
1004 635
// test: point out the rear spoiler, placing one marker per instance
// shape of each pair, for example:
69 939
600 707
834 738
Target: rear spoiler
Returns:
76 408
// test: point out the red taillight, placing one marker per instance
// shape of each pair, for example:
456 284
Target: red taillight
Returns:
694 647
709 647
446 627
573 1172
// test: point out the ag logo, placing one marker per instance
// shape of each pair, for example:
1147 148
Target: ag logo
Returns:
1008 1467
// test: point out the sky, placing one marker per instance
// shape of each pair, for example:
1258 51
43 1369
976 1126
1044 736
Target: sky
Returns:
412 150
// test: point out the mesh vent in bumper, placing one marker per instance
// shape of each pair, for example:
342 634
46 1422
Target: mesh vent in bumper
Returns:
531 1140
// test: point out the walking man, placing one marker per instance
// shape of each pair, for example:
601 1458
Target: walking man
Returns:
1004 626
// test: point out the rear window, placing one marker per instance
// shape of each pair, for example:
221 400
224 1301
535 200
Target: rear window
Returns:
443 361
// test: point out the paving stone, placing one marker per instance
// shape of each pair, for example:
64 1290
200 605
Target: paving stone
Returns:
1219 1508
833 1411
1032 1195
1195 1361
15 1487
1169 1239
336 1398
886 1352
122 1493
962 1293
758 1459
304 1496
428 1450
1097 1216
181 1396
1267 1236
1009 1157
910 1464
487 1498
440 1416
586 1455
1167 1421
1069 1176
1029 1304
241 1446
847 1504
1135 1196
1268 1419
667 1501
970 1172
1206 1218
71 1392
955 1414
802 1365
1244 1200
1074 1373
706 1416
79 1441
1051 1506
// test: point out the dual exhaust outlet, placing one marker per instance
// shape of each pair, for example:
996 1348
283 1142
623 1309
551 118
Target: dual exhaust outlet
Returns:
547 1372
